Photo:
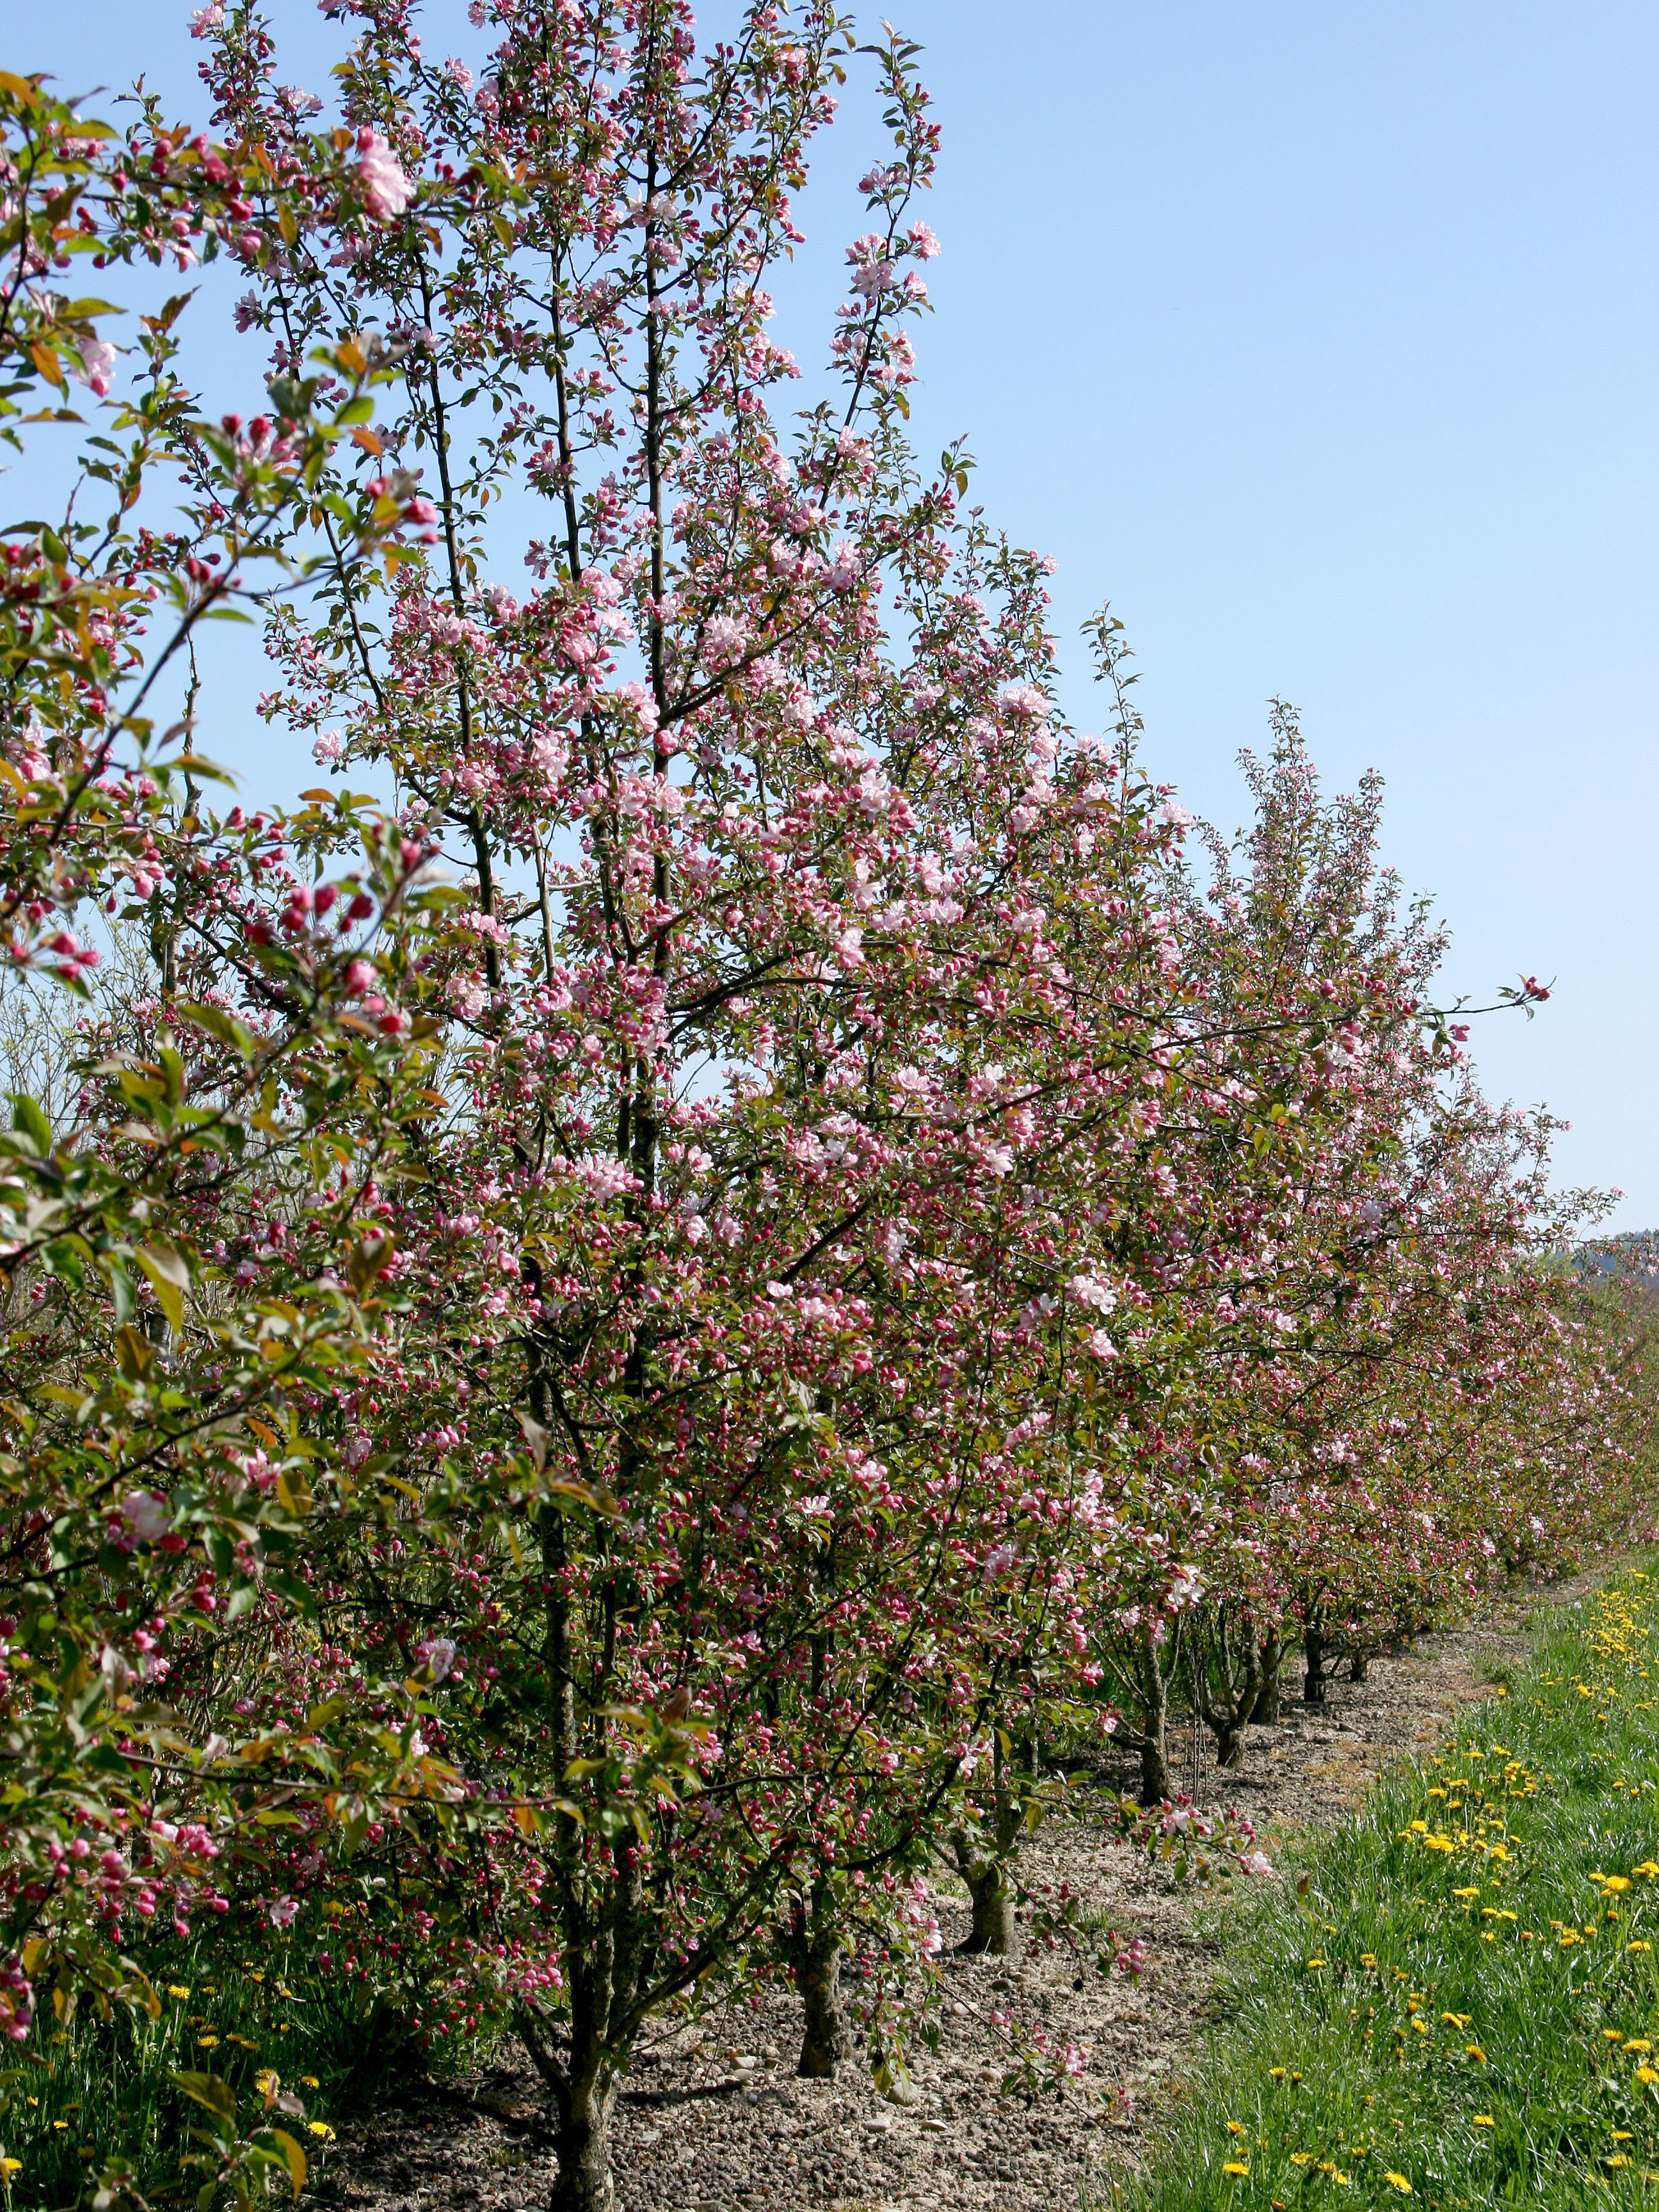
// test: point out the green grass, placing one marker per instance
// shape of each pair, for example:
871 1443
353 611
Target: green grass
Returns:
1454 2005
75 2101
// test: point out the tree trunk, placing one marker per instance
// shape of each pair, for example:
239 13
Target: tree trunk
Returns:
993 1929
584 2182
1313 1650
1272 1659
1232 1664
1154 1765
826 2037
1359 1666
984 1862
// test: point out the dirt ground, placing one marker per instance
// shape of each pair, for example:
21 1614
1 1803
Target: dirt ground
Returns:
713 2119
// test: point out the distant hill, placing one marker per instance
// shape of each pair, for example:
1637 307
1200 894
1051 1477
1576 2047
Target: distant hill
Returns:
1632 1258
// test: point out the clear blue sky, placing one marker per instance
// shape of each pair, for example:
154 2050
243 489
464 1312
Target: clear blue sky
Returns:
1320 338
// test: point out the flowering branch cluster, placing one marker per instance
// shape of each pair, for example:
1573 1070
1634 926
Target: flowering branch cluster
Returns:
619 1357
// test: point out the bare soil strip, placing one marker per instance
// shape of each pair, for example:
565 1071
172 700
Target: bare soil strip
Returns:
712 2118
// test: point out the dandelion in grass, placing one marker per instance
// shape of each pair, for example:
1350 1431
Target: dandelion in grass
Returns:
1484 2120
1236 2166
1398 2181
321 2129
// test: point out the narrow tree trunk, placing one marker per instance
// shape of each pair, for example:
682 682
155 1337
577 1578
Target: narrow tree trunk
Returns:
1154 1765
1359 1666
1272 1659
1313 1651
826 2037
1237 1682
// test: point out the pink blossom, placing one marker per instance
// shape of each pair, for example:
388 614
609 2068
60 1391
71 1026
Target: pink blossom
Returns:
97 365
386 190
1024 702
147 1515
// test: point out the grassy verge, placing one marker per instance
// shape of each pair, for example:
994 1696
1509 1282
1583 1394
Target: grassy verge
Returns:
77 2100
1460 2001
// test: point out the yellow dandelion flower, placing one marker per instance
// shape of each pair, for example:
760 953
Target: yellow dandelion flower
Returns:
11 2165
1622 2134
1485 2120
174 1990
1638 1947
1648 2074
1236 2165
309 2081
321 2128
1300 2158
1638 2043
1398 2181
1475 1892
1277 2073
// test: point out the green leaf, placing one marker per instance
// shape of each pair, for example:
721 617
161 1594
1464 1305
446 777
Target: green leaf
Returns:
208 2090
170 1276
295 2156
217 1023
29 1120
